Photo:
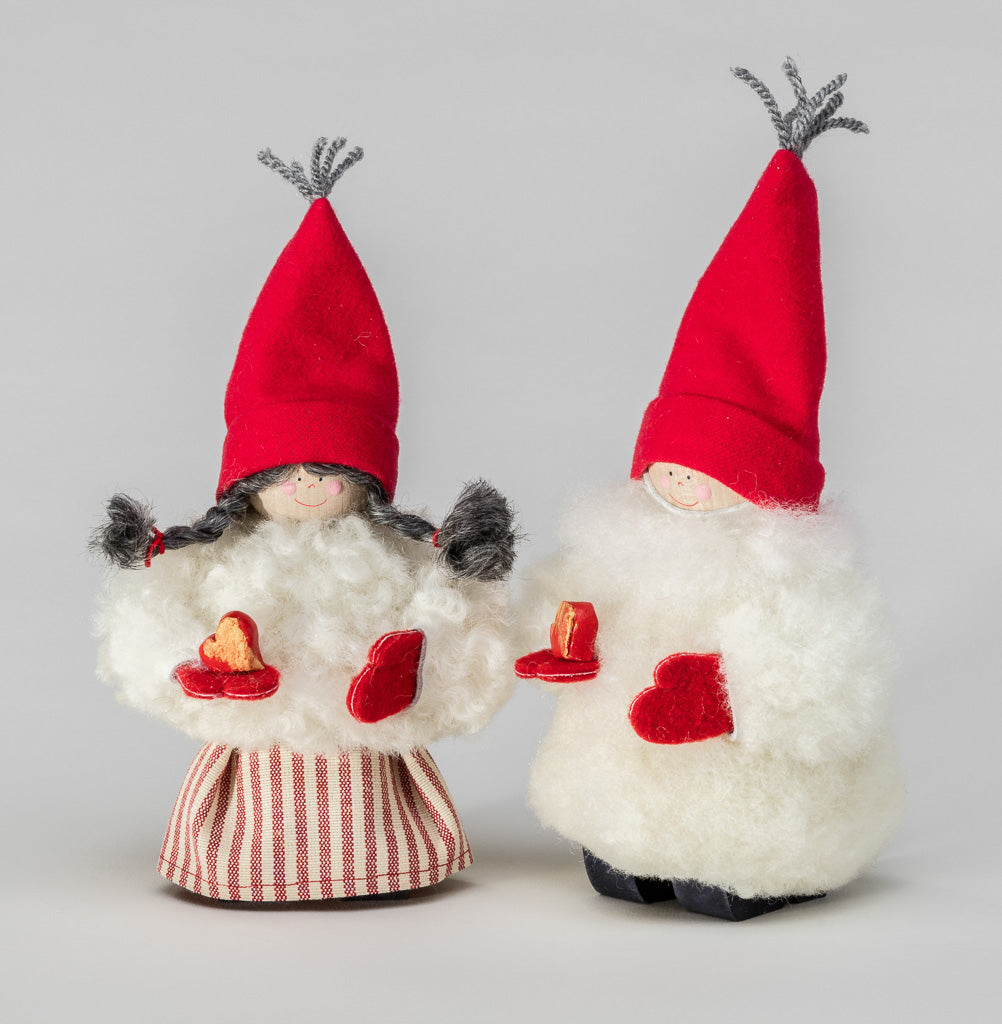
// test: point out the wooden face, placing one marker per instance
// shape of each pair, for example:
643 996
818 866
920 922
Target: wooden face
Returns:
688 489
310 496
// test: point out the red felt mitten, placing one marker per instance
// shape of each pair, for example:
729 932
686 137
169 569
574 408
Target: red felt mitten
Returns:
543 665
198 681
687 703
251 685
571 655
390 680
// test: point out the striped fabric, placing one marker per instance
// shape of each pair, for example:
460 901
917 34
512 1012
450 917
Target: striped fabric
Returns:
272 825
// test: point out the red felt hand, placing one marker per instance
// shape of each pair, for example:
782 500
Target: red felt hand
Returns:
571 654
687 703
198 681
390 679
543 665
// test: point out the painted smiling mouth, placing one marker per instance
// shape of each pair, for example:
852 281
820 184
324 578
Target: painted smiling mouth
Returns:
675 501
306 504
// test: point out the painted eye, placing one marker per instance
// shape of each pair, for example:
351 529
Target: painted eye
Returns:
688 477
670 472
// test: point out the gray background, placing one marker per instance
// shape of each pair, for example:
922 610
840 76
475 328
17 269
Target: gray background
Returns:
543 184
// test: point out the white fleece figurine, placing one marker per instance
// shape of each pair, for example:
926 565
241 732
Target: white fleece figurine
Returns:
721 734
313 635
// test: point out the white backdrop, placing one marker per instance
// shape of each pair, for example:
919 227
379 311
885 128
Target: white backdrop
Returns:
543 184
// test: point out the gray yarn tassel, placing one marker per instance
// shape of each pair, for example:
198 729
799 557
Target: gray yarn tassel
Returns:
810 116
323 173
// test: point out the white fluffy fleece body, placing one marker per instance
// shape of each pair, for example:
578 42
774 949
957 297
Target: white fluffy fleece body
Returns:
320 595
807 789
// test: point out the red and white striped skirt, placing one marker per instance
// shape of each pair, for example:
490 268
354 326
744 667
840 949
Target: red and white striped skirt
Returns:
264 825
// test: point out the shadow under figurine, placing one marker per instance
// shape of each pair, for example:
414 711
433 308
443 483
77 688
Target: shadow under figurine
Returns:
721 734
313 635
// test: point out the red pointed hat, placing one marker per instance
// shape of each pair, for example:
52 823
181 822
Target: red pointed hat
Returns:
739 398
314 379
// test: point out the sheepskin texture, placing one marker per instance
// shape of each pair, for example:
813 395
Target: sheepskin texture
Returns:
321 595
803 794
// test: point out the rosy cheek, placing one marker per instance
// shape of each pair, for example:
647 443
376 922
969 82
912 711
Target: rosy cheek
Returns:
703 493
665 481
289 487
335 487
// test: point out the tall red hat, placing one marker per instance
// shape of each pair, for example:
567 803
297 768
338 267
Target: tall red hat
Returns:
739 398
314 378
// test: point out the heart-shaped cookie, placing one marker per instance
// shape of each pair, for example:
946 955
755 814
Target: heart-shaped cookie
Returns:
687 703
233 647
573 632
571 657
390 679
231 664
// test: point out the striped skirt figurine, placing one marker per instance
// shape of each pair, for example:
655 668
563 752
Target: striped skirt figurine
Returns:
276 825
357 633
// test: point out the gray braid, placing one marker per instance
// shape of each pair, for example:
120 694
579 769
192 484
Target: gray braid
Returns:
127 535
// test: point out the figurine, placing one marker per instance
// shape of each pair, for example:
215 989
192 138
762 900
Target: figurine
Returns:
721 734
313 635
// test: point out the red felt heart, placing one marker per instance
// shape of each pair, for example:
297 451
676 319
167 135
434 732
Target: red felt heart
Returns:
389 681
687 703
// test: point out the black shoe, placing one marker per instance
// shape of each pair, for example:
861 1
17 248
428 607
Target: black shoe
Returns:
708 899
607 881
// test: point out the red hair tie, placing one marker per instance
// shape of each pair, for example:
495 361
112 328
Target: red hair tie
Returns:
434 539
156 546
